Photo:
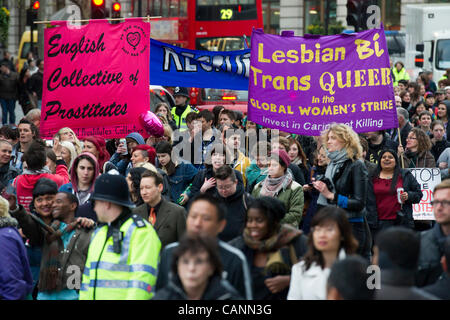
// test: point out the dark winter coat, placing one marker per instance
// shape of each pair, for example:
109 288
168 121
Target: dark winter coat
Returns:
438 148
441 289
400 286
351 183
217 289
16 281
236 206
431 250
9 86
74 255
208 173
7 173
235 268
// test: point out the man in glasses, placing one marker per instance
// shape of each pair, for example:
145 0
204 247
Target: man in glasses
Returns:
433 240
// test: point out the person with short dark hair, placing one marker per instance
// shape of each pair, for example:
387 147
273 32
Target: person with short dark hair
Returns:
180 174
441 288
330 239
424 122
348 280
378 140
197 273
232 140
227 117
396 252
206 217
168 219
9 133
28 132
232 193
35 157
209 136
399 73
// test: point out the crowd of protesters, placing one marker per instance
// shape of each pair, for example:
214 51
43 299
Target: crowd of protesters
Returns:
226 209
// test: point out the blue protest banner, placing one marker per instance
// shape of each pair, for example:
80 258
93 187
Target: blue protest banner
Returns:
174 66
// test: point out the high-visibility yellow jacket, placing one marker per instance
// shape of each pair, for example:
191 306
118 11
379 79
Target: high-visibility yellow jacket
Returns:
181 120
130 275
241 165
399 75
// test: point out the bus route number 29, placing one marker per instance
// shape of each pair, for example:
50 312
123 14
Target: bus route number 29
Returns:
226 14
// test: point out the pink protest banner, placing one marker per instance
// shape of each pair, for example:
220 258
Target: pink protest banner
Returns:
96 78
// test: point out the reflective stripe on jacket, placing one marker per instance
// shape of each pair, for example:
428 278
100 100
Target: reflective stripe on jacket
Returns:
130 275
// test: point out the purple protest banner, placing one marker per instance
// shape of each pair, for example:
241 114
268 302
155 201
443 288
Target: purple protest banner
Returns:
303 84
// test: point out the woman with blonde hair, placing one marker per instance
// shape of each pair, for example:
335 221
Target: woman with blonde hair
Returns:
345 181
67 134
68 152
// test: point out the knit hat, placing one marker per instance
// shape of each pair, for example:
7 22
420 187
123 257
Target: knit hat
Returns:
150 150
136 137
282 155
428 94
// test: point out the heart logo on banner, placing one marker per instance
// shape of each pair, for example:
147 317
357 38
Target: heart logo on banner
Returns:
133 38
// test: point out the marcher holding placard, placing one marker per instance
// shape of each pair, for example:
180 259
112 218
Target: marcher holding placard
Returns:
345 181
417 154
395 191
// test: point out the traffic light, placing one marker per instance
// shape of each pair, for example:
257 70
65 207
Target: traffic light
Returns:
354 13
98 9
32 12
116 9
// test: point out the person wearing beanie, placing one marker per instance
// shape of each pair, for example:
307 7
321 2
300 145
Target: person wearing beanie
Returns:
83 173
263 241
15 274
35 158
180 173
121 159
97 146
280 184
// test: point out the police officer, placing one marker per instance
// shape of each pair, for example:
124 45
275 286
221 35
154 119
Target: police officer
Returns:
182 108
124 250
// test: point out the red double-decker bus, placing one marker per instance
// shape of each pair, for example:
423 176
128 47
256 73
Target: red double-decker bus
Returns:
214 25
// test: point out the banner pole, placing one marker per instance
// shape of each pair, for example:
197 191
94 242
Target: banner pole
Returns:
400 144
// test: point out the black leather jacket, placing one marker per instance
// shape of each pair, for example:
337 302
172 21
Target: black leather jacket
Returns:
350 183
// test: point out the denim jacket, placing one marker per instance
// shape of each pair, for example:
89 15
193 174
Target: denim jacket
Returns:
180 180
